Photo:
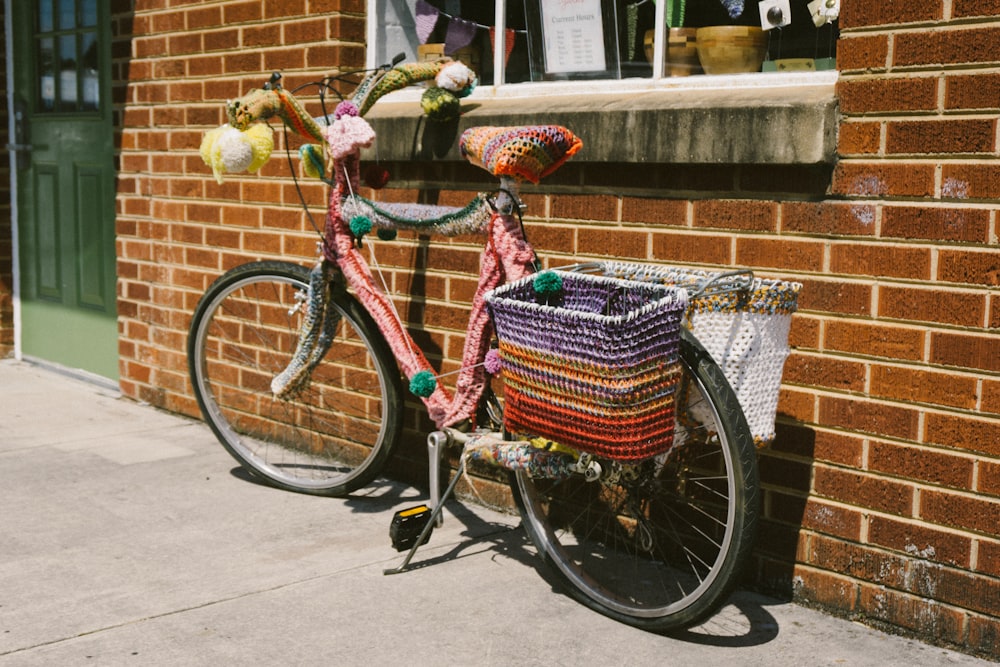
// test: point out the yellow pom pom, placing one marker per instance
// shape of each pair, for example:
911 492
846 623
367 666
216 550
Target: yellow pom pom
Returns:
261 138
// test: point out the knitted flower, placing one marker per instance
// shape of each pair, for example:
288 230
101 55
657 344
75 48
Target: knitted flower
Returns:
457 78
228 150
347 135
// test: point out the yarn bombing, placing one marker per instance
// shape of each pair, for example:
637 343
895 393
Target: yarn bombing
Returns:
440 105
547 282
528 153
345 108
492 362
457 78
228 150
360 225
348 135
423 384
312 160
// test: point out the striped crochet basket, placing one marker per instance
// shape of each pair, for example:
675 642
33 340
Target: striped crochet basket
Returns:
746 332
592 365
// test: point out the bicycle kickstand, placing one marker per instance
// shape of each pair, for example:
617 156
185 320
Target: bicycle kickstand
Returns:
435 442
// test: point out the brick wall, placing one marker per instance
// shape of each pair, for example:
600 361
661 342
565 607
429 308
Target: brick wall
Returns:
883 490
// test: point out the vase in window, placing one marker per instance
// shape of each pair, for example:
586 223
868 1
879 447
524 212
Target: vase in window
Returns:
680 57
731 49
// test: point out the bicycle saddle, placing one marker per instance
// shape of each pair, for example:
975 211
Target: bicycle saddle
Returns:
525 153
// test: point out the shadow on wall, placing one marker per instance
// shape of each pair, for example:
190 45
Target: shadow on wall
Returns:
785 474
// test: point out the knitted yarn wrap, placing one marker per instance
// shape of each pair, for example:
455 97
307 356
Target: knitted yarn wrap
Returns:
441 220
526 153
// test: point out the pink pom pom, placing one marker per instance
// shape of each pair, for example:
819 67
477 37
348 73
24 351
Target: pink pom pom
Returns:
345 108
492 362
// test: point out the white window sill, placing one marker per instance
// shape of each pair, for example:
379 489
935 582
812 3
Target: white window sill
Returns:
762 118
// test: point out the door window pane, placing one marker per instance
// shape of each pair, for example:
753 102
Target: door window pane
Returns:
67 73
45 23
88 13
46 67
67 14
88 71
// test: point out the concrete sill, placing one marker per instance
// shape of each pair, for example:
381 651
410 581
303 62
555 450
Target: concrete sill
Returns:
756 119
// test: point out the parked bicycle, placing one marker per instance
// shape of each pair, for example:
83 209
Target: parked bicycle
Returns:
298 370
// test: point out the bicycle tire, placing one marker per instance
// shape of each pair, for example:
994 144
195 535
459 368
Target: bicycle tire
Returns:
663 551
331 437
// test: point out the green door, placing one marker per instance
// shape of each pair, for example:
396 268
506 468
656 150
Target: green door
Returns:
66 183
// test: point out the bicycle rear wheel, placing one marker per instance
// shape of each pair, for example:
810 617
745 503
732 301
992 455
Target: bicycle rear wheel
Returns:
333 435
659 544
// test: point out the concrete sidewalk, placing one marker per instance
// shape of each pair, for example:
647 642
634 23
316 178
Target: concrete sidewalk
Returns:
129 537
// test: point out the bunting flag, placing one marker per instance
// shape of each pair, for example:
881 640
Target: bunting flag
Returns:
460 34
509 37
426 17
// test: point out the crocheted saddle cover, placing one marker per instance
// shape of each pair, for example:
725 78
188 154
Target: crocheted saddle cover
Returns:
525 153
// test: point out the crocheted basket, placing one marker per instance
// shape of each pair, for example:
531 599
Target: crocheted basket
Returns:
593 365
746 332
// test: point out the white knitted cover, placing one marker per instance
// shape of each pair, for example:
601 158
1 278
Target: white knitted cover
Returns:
745 332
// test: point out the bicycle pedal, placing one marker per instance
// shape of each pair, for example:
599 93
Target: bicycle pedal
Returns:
407 525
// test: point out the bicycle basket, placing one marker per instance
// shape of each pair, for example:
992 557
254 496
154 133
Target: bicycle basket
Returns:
745 331
592 365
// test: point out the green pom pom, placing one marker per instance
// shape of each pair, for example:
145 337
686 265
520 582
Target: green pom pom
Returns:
386 234
440 104
547 282
360 225
423 384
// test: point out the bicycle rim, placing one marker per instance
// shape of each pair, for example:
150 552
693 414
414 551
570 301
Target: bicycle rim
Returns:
660 544
330 437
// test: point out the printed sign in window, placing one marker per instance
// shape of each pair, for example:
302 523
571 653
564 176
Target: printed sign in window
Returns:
573 35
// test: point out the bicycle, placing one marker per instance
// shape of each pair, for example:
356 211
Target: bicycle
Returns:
298 373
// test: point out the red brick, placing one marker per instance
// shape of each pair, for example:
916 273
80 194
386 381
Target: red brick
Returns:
590 207
927 465
912 93
916 614
861 14
919 540
816 587
936 224
989 478
969 266
611 242
972 433
984 636
825 371
929 305
980 352
869 417
960 511
991 396
946 47
989 557
876 339
654 211
952 136
859 138
837 296
835 520
879 179
881 260
975 91
971 181
736 214
863 490
862 52
828 218
781 254
967 8
693 248
924 386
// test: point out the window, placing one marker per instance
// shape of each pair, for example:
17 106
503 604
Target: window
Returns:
514 41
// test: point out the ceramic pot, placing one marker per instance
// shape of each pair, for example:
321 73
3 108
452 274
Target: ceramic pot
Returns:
731 49
681 56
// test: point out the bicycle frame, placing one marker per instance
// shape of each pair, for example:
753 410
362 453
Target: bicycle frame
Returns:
506 256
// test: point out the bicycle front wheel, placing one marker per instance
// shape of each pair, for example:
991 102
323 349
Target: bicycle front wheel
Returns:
330 437
658 544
